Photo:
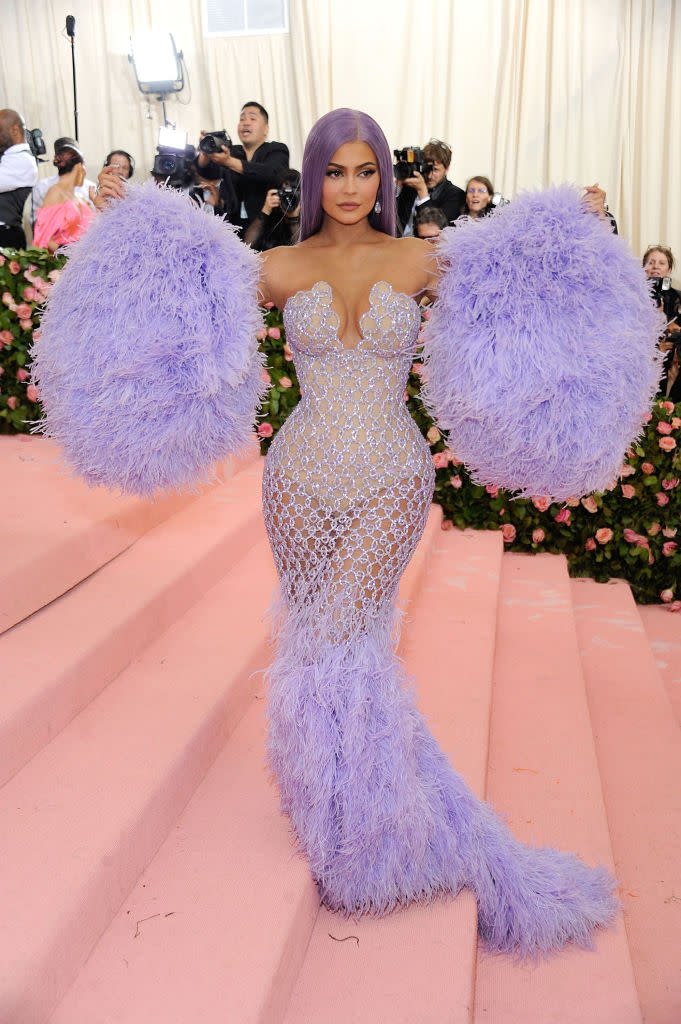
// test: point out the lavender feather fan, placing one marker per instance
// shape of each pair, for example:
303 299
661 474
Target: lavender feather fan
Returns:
541 347
147 361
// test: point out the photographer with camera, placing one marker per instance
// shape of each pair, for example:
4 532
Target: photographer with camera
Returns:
658 263
18 175
423 177
248 171
278 222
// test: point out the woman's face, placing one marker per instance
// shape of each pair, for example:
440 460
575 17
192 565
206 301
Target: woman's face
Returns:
350 183
657 264
477 197
120 165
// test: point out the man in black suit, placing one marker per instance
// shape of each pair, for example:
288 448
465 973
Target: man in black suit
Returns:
251 169
434 190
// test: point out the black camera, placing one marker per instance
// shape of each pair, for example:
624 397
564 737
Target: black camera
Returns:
36 143
409 160
212 142
174 165
289 197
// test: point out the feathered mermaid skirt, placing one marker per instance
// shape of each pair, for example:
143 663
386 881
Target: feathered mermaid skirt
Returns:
381 815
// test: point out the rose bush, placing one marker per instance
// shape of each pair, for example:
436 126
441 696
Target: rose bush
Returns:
627 532
25 281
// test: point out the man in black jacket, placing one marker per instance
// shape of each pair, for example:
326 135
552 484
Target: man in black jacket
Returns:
251 169
434 190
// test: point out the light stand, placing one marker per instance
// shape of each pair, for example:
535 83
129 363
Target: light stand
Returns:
71 33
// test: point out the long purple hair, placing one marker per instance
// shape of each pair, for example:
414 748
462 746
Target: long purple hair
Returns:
330 132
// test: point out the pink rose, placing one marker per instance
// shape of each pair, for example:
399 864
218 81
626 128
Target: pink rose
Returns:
661 498
538 535
675 606
669 531
417 368
433 435
573 503
590 504
274 332
447 524
54 275
667 444
288 354
647 468
456 482
30 294
647 417
653 529
604 535
667 596
627 469
405 396
676 422
440 460
502 511
669 406
663 427
630 535
670 483
265 430
12 402
628 491
32 393
563 516
541 503
425 313
669 547
285 382
492 490
23 311
265 377
6 337
269 305
508 533
22 374
590 544
26 325
14 267
8 300
261 334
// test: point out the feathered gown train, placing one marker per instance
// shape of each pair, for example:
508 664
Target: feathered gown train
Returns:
375 805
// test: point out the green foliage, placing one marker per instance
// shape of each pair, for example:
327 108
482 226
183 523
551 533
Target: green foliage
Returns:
26 277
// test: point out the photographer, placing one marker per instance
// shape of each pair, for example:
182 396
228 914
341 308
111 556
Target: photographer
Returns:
18 175
429 222
250 170
278 222
431 188
658 263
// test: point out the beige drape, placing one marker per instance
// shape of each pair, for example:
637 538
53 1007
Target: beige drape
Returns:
526 91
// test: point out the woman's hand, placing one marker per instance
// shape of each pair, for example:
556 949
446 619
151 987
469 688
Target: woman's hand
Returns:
109 186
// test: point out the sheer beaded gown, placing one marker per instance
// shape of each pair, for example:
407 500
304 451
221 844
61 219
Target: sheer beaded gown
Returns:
375 805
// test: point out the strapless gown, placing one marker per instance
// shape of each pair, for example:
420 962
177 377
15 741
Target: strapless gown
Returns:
374 803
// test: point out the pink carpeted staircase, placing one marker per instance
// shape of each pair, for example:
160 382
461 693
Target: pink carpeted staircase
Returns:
146 874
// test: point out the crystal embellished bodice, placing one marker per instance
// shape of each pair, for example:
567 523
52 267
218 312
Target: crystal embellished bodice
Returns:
351 434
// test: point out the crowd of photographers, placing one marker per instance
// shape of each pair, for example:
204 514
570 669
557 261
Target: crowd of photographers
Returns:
251 185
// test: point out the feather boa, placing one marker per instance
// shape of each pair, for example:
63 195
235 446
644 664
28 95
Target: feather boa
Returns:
147 361
541 347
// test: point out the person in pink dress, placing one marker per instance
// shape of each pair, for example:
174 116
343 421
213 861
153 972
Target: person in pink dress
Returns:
64 216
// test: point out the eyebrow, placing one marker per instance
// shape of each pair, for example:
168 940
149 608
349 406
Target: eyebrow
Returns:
367 163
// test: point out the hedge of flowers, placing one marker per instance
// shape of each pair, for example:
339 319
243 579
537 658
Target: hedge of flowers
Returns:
631 531
25 281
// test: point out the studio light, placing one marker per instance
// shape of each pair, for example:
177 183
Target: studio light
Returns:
158 65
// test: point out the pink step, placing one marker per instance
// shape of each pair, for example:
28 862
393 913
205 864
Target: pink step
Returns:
663 629
639 752
85 816
245 900
543 776
60 658
57 531
217 925
416 966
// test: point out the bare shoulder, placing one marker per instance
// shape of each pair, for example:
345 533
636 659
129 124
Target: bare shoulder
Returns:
274 269
420 257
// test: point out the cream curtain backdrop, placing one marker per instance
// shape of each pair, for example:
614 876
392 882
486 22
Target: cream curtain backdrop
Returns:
527 92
